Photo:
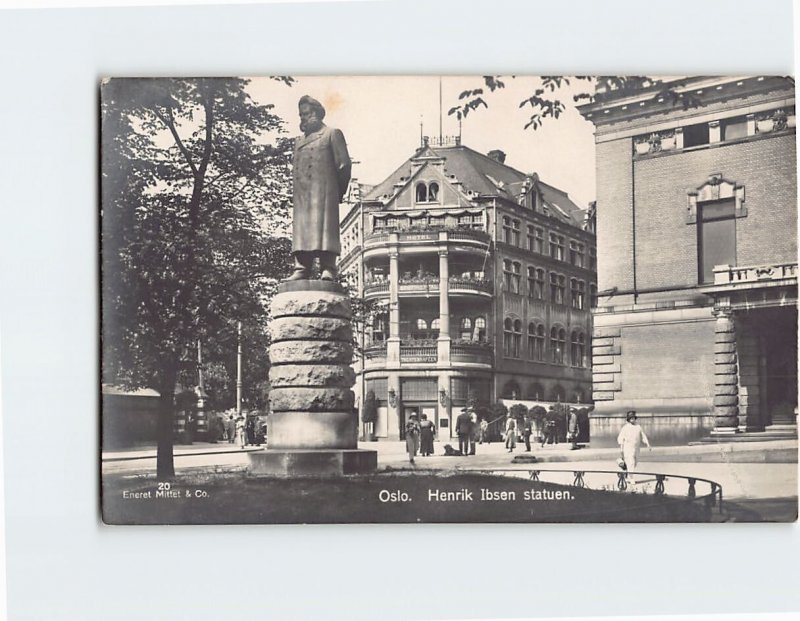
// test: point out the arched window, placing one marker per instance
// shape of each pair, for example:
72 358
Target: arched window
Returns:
507 325
420 329
535 391
511 390
465 329
422 193
557 393
531 341
539 346
480 329
435 328
433 192
517 342
578 349
379 324
558 337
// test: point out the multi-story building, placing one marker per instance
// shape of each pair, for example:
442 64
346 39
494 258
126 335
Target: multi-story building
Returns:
696 322
483 276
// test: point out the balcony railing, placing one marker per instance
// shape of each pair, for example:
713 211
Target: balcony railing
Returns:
478 285
378 286
733 275
428 233
471 351
375 350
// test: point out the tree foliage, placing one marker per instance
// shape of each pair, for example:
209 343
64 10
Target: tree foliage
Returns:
194 217
546 98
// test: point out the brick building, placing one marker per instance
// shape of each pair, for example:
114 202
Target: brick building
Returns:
484 276
696 322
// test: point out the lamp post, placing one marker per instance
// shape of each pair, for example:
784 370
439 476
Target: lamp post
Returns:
239 369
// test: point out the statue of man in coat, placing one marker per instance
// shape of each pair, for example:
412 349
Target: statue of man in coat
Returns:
321 175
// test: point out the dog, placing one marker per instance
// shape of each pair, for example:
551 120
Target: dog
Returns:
449 451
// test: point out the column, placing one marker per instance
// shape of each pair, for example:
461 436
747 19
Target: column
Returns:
726 375
393 342
751 124
714 132
443 345
679 137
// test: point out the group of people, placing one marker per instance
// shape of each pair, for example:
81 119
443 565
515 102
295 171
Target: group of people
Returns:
235 428
549 431
419 436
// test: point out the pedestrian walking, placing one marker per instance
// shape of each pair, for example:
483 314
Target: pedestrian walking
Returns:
484 426
231 425
573 429
426 432
412 437
241 431
527 431
630 440
474 431
464 431
550 429
511 433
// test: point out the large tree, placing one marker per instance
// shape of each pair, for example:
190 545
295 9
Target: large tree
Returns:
195 200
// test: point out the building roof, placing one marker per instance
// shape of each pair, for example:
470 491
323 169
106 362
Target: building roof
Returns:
481 175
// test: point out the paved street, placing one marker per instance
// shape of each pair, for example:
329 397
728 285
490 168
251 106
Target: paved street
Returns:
739 468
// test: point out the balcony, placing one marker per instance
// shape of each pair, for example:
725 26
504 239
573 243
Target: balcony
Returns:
759 274
429 234
376 288
425 351
478 286
473 352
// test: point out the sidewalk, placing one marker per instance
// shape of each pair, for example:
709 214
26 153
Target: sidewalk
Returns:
179 450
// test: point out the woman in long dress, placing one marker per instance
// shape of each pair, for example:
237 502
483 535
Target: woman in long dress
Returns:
426 432
412 437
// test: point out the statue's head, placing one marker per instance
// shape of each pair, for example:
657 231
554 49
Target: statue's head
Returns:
311 114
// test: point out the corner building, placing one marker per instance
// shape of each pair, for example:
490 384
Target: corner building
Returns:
696 322
483 277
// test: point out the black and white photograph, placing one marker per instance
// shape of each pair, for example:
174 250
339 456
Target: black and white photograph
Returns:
448 299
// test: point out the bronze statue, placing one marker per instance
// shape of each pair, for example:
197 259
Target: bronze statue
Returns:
321 175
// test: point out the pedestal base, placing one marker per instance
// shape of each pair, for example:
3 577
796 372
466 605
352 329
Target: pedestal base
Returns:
312 463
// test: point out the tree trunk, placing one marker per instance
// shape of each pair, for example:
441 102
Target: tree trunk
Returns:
165 465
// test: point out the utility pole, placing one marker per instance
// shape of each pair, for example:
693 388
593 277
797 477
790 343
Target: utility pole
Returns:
239 369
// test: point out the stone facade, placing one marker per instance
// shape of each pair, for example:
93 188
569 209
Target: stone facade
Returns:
697 246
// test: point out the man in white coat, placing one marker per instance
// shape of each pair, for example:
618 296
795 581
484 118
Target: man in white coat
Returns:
630 440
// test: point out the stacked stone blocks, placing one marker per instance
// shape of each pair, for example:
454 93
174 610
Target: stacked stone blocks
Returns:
606 366
311 401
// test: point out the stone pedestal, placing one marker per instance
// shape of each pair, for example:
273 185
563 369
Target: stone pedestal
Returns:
312 429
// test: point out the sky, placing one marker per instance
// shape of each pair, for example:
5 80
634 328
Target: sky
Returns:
380 118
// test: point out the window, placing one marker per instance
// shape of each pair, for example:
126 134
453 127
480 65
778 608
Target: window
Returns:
517 277
379 324
433 192
531 241
507 326
535 341
515 232
578 293
517 339
507 229
695 135
422 193
420 329
508 274
538 241
734 128
535 283
511 390
434 328
558 338
593 295
557 247
557 288
576 253
465 329
716 237
578 349
592 258
480 329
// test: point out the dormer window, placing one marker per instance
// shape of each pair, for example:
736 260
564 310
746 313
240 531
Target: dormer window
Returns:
427 192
